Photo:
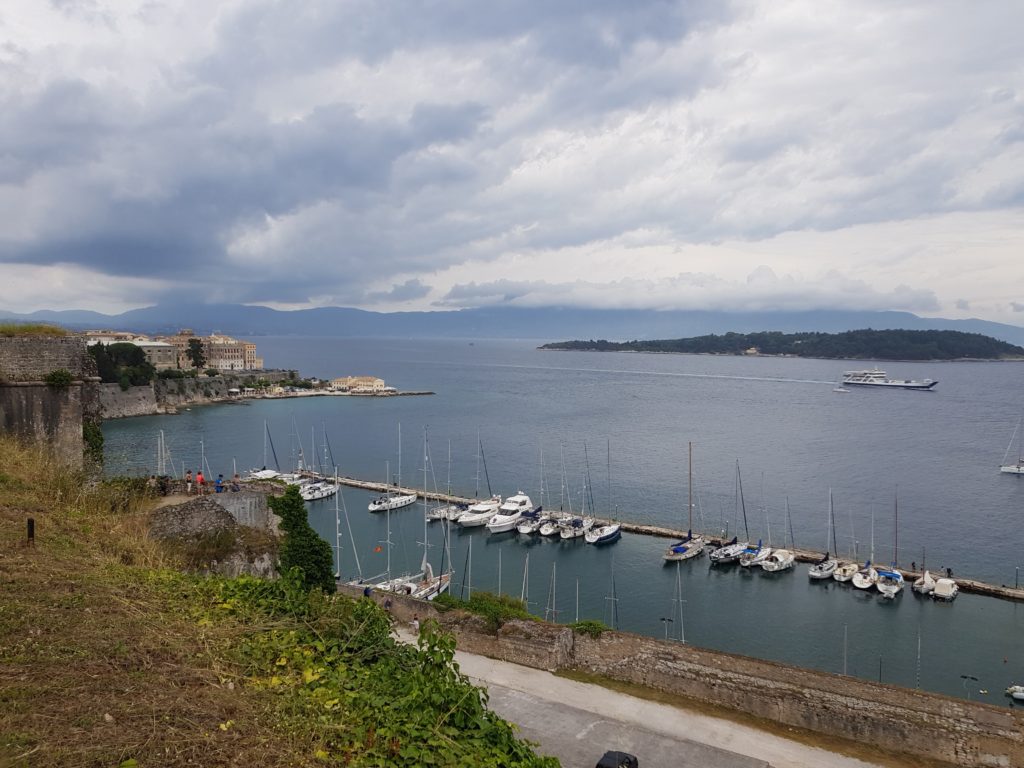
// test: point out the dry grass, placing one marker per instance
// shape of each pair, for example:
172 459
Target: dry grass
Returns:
100 661
11 328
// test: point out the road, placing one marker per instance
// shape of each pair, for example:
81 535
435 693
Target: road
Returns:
576 722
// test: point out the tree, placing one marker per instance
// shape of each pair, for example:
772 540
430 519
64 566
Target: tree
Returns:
196 353
302 546
123 363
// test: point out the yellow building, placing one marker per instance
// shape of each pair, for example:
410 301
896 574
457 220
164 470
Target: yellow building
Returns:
357 384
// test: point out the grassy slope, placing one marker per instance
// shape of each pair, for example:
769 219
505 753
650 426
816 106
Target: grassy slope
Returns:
107 657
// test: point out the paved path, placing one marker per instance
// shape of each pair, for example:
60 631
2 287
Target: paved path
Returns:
576 722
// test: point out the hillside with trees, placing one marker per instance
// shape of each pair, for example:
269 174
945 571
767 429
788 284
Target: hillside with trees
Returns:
864 344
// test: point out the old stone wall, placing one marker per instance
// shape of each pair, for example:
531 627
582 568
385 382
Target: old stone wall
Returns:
897 720
31 358
169 395
31 408
248 508
116 403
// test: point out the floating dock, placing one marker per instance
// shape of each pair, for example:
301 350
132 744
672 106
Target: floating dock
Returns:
1003 592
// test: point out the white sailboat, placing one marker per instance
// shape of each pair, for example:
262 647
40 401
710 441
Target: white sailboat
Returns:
394 498
890 580
824 568
924 584
1016 468
867 577
945 589
730 551
481 512
782 559
691 546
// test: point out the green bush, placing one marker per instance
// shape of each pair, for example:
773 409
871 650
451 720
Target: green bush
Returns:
92 436
496 609
59 379
212 372
302 547
589 627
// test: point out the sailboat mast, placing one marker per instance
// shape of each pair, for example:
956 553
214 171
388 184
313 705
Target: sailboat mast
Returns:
337 527
896 530
689 486
743 504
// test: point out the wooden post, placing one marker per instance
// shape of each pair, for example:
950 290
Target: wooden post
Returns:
31 532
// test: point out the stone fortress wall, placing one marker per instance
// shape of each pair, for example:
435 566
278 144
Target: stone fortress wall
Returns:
32 408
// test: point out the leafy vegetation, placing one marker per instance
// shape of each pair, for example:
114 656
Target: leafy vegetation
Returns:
122 363
59 379
497 609
850 345
302 548
10 328
589 627
196 353
169 669
176 373
92 436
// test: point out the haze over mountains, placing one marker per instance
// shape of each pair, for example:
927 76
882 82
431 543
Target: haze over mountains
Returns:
546 323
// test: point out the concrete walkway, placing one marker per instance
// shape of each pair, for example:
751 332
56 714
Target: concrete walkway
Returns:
576 722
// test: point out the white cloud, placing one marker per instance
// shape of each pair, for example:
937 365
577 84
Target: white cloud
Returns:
653 154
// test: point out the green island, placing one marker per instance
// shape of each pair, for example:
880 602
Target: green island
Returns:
864 344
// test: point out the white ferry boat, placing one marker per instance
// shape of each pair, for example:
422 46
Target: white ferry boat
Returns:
877 378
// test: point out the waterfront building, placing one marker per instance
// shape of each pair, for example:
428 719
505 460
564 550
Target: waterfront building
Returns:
222 352
358 384
160 354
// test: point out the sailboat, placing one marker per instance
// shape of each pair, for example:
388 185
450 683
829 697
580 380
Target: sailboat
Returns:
731 551
924 584
449 511
782 559
824 568
867 577
481 512
394 498
691 546
610 532
890 581
846 570
1018 467
553 525
752 556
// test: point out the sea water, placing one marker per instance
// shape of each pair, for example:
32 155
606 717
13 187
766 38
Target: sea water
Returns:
611 430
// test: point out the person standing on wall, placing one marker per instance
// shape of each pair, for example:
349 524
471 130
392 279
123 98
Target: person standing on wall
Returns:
188 483
199 482
218 484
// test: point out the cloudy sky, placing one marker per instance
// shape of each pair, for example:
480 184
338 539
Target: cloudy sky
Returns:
385 155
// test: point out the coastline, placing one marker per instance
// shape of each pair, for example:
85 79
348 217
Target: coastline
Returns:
793 357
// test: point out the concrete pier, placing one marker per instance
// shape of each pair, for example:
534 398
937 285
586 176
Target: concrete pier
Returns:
802 555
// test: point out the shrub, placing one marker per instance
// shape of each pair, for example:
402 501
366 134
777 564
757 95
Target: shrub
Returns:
59 379
496 609
589 627
92 436
212 372
302 547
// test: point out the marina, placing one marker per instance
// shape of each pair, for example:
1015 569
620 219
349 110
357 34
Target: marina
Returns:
794 437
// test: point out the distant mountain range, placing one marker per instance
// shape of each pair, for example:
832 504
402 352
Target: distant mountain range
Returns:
542 323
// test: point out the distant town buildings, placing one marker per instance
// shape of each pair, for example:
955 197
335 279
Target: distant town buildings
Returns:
359 385
223 353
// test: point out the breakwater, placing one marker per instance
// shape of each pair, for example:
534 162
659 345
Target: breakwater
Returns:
975 586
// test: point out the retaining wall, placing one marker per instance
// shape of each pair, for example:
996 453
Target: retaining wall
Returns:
897 720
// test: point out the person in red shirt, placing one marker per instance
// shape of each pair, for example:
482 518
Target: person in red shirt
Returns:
199 482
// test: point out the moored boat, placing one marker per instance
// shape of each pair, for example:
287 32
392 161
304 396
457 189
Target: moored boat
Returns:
844 572
945 589
866 577
574 527
728 553
924 584
1016 692
604 534
778 560
480 513
890 582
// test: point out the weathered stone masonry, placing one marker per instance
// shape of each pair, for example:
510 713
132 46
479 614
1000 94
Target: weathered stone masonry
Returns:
31 408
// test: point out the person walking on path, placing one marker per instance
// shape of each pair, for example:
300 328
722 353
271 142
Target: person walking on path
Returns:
188 483
199 482
415 623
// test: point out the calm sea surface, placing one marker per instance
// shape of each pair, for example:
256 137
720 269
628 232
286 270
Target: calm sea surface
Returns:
627 418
